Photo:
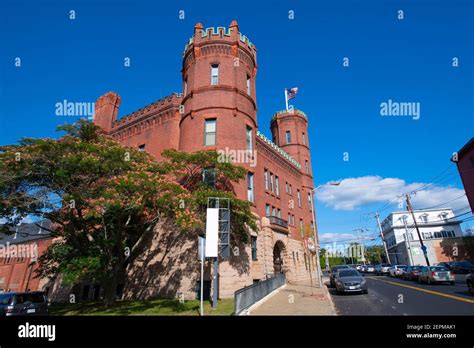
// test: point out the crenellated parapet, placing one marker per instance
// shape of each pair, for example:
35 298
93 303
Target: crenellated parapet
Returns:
172 101
278 150
222 40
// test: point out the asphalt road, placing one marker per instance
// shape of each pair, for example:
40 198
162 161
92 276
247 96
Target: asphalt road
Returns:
391 296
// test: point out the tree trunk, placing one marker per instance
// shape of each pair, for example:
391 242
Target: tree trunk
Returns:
110 287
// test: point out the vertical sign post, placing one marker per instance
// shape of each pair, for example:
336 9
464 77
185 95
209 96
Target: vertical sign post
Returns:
201 252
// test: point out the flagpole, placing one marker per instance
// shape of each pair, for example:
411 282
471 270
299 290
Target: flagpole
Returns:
286 99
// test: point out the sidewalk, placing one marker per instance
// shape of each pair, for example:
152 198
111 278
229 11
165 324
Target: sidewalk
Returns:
297 299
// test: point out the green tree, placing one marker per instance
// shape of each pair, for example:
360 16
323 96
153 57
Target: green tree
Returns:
103 199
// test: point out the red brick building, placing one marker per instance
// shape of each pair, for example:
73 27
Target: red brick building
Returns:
217 110
18 254
465 164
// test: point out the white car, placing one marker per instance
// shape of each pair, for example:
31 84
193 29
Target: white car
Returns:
397 270
370 269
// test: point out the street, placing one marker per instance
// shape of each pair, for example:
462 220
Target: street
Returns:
393 296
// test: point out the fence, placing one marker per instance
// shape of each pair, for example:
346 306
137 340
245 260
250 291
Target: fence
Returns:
246 297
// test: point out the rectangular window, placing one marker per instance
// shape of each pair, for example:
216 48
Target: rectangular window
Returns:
289 219
306 165
286 187
299 198
185 87
288 137
277 186
309 201
248 137
214 74
312 226
141 148
210 132
301 226
267 210
304 138
209 177
279 214
254 247
291 189
274 211
265 179
250 195
248 84
271 182
293 220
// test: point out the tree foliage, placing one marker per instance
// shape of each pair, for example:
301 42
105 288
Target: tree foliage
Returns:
104 198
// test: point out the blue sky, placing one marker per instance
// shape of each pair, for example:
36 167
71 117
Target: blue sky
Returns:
407 60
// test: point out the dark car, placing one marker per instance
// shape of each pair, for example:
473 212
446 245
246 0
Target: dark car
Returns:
458 267
333 273
470 282
412 273
349 280
23 303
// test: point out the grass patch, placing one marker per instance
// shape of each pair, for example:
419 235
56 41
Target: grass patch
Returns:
143 307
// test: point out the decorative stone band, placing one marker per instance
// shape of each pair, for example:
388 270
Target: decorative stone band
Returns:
296 111
279 150
213 31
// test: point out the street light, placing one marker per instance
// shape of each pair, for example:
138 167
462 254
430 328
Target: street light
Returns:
316 245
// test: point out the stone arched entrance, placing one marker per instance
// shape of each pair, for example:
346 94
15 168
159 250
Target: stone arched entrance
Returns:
278 257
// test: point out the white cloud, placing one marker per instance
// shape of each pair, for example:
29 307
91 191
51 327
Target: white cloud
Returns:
336 237
353 193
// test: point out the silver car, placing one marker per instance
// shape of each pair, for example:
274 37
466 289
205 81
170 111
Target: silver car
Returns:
435 274
349 280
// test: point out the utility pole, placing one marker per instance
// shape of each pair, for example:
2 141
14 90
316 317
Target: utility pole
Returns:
423 247
377 216
316 243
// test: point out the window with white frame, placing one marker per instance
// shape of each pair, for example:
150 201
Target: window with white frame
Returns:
277 186
250 187
304 138
214 74
424 218
272 188
306 165
249 138
288 137
265 179
248 84
267 210
210 132
299 198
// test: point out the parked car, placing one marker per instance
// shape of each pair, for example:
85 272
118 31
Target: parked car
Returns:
397 270
359 267
333 273
382 269
412 273
470 282
370 269
363 268
23 303
349 280
435 274
458 267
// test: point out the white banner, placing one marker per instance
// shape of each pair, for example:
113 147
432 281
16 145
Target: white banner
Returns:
212 232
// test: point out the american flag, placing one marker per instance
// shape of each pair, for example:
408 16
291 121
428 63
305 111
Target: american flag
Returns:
292 92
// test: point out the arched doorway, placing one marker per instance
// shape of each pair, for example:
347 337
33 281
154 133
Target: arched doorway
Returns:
278 251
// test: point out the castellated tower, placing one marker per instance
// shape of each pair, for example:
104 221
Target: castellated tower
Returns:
290 132
106 110
219 100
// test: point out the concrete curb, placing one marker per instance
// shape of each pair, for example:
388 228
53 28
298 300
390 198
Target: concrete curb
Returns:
260 302
329 297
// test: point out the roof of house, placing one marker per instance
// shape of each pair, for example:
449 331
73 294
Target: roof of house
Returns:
469 145
27 232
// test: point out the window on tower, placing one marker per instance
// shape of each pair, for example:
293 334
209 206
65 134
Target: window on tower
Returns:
304 138
307 166
185 87
141 148
214 74
288 137
250 195
210 132
248 135
248 84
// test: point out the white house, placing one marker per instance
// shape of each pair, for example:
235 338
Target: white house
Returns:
439 230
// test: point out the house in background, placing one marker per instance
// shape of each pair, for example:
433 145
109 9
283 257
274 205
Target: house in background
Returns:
19 252
440 231
465 164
